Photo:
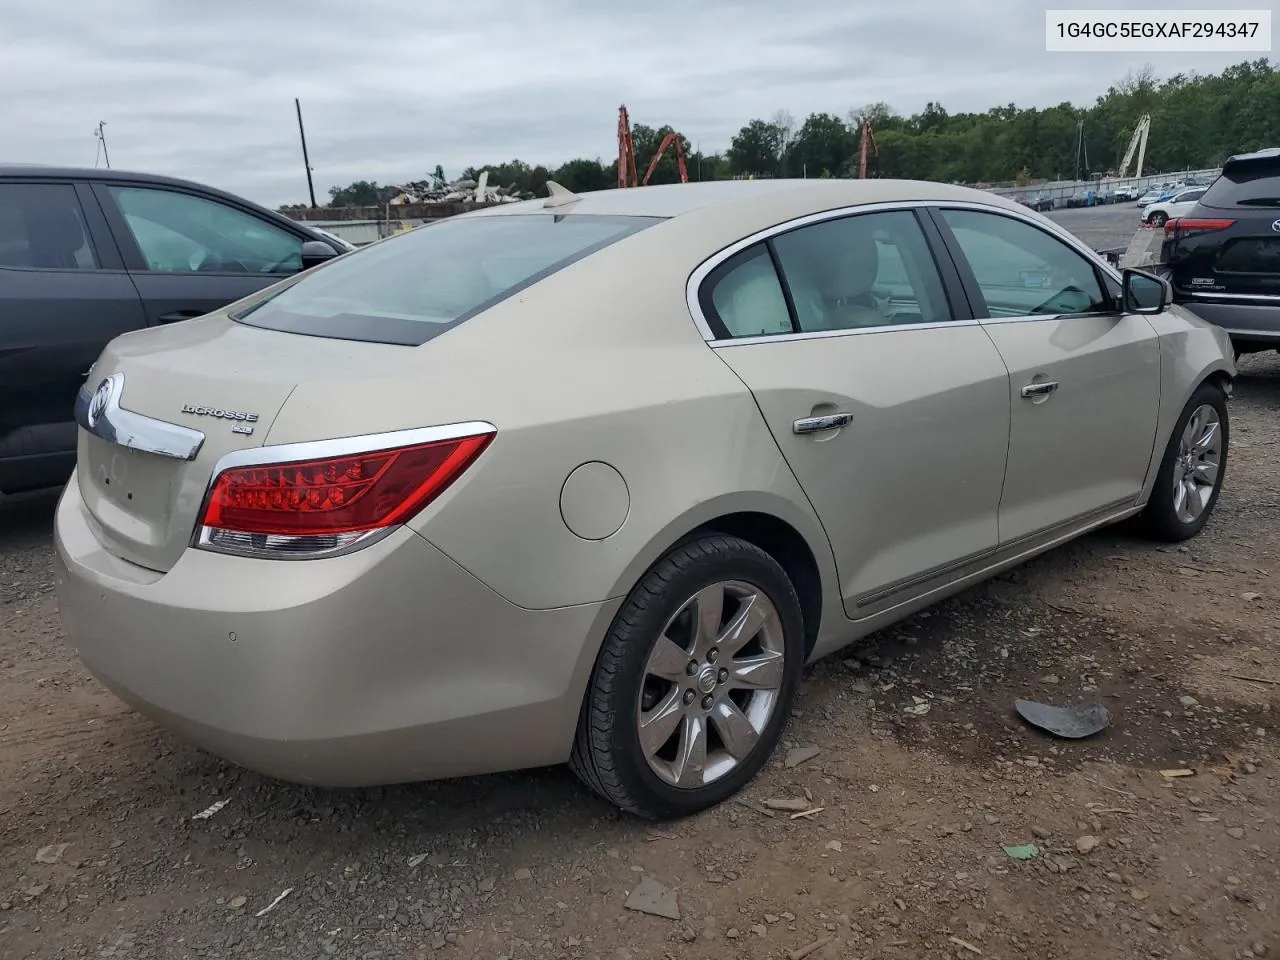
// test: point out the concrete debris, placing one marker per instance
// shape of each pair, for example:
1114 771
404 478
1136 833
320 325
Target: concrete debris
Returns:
653 898
52 853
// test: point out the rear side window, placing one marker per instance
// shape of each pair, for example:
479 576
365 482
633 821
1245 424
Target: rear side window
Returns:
415 286
42 227
1251 184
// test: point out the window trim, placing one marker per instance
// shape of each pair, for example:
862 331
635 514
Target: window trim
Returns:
952 280
1101 269
106 257
132 254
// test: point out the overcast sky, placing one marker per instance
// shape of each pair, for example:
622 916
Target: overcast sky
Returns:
390 88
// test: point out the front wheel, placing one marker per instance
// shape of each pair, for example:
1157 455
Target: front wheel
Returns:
694 680
1157 219
1193 468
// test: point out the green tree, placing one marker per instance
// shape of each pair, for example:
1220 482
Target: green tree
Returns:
757 149
362 193
822 147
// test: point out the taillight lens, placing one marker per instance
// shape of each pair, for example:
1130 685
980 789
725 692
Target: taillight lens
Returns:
1187 225
306 508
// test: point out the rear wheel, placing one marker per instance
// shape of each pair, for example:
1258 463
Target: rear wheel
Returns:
694 680
1194 465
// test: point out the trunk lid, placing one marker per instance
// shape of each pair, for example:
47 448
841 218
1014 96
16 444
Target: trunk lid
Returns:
227 381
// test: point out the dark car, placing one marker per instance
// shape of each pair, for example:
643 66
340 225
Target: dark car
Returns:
1223 255
86 255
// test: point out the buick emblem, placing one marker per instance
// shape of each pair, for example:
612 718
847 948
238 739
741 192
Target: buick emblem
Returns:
1275 225
98 405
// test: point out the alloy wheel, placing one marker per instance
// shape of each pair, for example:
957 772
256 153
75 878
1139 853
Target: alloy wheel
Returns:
1199 461
711 684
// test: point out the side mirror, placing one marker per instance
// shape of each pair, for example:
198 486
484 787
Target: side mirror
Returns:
316 252
1144 292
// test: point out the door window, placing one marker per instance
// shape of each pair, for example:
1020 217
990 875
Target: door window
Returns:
183 233
866 270
862 271
1023 271
42 227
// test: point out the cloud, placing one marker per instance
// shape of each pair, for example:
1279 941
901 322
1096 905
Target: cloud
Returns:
390 88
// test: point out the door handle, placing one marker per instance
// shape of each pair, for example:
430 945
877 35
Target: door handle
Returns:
1042 389
179 315
831 421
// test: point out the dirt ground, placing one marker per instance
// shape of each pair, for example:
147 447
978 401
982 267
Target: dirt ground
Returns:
923 775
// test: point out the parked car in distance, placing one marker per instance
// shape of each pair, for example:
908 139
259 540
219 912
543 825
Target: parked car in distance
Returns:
1162 211
486 495
1223 255
86 255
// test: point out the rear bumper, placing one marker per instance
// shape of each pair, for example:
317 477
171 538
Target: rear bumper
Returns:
388 665
1244 321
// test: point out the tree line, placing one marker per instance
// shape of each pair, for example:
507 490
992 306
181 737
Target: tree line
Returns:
1197 121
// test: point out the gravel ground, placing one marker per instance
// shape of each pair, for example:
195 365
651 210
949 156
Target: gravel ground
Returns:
906 750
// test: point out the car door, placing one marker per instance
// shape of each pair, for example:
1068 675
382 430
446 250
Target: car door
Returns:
191 254
891 409
64 294
1084 377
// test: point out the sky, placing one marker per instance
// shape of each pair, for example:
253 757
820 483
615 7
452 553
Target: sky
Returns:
390 88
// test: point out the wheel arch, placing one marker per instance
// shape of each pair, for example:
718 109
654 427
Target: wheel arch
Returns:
790 535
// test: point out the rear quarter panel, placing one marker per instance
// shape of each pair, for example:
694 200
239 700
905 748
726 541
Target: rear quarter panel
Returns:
1191 351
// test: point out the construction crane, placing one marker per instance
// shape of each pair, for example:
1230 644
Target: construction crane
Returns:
867 141
627 154
1138 142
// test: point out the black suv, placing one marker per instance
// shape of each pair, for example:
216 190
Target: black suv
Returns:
1223 256
86 255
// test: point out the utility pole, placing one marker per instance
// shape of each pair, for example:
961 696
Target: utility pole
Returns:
101 134
311 189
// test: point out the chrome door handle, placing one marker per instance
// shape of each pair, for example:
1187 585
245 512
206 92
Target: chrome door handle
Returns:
1033 390
815 424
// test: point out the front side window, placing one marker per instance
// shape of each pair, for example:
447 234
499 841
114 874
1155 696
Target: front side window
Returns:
412 287
42 227
182 233
1022 271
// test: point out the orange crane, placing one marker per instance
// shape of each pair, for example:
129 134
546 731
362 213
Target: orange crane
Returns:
867 140
627 175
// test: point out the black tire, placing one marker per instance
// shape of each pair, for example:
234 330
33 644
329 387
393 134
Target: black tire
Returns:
1160 518
1157 219
607 754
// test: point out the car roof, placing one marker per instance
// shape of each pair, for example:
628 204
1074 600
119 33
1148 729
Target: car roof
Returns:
676 199
127 176
1247 159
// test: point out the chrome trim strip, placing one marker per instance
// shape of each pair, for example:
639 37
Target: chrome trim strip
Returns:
346 446
889 589
100 414
1256 297
202 536
704 269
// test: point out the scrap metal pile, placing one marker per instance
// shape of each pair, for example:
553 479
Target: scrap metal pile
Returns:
458 191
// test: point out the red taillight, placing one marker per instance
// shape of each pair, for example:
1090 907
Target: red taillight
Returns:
334 498
1195 225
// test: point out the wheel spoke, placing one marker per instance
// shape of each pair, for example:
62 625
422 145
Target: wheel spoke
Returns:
657 725
1205 472
1197 497
752 615
667 661
1193 429
735 730
1180 497
708 611
761 671
1207 438
692 757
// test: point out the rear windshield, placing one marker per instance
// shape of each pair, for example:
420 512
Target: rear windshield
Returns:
414 287
1252 184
